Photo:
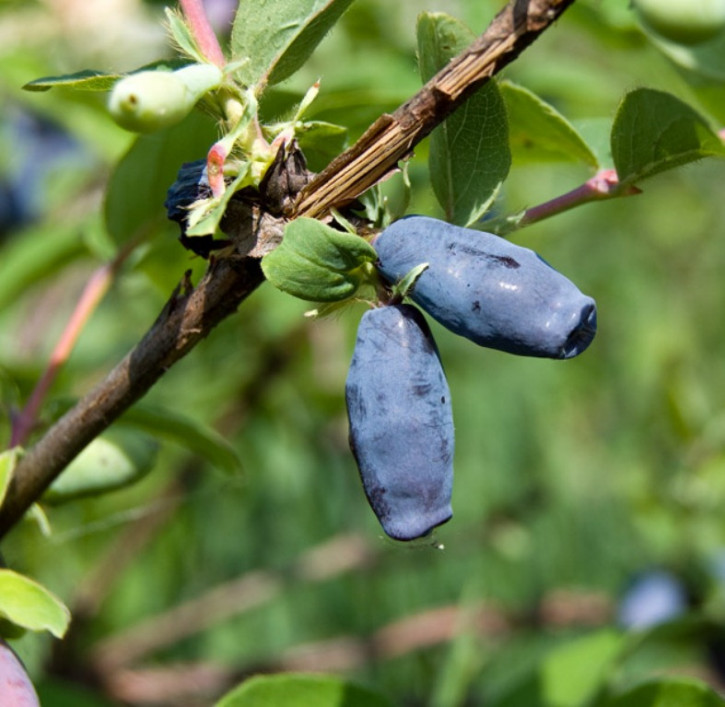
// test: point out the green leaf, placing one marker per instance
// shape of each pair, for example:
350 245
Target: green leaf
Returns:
86 80
299 690
667 693
320 142
112 461
572 673
315 262
181 34
8 461
469 151
278 36
569 675
653 131
407 283
29 605
91 80
538 132
207 224
137 188
186 432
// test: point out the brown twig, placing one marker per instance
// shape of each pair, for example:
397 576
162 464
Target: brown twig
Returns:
187 319
337 556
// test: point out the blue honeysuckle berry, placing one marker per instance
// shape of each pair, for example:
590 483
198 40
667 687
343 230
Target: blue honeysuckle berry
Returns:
489 290
15 685
653 598
191 184
401 424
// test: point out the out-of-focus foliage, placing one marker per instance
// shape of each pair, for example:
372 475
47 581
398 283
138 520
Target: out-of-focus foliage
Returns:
571 477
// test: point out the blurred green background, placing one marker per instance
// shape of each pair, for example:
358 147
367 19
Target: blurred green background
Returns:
571 477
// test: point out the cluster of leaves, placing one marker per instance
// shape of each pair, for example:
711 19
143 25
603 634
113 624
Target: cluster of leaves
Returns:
469 160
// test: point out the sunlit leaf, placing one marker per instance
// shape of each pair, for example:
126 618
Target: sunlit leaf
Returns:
278 36
653 131
29 605
539 132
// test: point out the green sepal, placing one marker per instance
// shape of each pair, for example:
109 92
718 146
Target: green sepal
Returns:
317 263
407 283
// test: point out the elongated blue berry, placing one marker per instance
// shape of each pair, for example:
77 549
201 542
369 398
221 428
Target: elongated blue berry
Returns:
401 425
16 690
487 289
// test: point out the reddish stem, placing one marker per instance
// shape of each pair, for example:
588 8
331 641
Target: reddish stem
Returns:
202 31
215 168
603 185
96 287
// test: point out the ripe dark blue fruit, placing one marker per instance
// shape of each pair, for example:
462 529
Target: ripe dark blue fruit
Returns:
653 598
16 690
192 183
401 425
493 292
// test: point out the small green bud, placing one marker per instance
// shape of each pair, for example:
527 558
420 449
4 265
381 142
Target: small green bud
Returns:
151 100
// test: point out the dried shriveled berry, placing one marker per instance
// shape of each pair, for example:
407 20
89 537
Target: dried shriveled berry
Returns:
401 425
493 292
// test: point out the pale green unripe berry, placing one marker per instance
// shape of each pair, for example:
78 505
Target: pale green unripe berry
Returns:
683 21
151 100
